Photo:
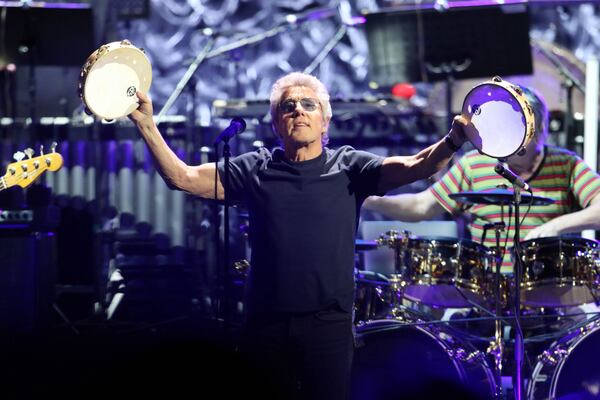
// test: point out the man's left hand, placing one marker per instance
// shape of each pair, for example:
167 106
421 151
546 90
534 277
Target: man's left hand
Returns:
457 130
545 230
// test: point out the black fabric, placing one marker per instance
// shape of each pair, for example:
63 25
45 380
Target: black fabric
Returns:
303 219
303 356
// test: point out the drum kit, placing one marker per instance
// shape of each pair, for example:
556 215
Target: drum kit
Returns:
444 273
397 315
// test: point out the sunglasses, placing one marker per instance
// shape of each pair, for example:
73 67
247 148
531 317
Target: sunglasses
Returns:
289 105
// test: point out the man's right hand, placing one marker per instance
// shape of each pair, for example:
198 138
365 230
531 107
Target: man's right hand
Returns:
144 111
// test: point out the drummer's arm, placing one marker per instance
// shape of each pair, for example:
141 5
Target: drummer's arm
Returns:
198 180
587 218
408 207
400 170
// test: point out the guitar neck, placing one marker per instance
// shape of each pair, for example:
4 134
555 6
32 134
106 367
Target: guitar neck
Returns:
2 184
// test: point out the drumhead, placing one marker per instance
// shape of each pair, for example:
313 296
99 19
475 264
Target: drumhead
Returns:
500 122
112 79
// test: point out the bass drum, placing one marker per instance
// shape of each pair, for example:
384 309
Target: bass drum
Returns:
396 360
569 369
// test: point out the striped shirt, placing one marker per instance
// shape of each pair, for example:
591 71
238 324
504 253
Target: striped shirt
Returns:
562 176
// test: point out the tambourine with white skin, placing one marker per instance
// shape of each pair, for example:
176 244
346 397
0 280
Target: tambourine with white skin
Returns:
110 78
502 122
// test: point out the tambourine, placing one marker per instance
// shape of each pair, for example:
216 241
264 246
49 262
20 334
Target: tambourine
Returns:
110 77
502 120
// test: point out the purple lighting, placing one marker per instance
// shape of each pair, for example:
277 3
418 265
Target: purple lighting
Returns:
43 4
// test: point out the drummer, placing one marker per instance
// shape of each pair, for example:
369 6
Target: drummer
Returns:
550 171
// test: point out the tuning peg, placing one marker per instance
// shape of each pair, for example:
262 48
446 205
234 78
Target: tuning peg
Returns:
41 149
53 146
29 151
19 155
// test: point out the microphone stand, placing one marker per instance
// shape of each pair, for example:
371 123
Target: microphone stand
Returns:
185 79
223 307
448 69
569 82
209 51
518 384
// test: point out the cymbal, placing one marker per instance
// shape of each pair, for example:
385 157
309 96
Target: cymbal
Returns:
498 197
362 245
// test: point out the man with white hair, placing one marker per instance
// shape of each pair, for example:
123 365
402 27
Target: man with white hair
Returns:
303 201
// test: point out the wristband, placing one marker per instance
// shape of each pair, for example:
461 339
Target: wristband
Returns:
450 143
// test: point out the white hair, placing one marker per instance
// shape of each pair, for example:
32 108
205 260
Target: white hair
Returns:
300 79
540 112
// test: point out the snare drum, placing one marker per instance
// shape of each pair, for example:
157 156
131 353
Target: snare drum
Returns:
444 272
569 369
395 360
559 271
501 119
110 77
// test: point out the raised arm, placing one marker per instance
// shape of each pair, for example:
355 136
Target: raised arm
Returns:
197 180
400 170
408 207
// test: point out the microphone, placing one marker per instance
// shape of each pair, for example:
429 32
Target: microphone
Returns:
511 177
236 126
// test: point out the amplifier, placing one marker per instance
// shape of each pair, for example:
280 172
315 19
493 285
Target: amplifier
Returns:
43 218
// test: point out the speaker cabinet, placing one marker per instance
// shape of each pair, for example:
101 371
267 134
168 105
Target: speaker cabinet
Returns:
27 280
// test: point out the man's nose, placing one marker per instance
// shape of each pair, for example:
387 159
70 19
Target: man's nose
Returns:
298 109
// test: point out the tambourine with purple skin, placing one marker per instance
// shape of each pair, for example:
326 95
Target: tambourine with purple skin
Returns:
110 78
502 122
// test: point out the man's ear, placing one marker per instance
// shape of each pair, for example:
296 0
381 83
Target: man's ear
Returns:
326 125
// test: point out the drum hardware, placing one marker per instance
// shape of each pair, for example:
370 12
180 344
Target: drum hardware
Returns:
363 245
552 358
461 354
496 347
242 267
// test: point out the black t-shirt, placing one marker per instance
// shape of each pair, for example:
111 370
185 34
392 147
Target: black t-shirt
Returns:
303 219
